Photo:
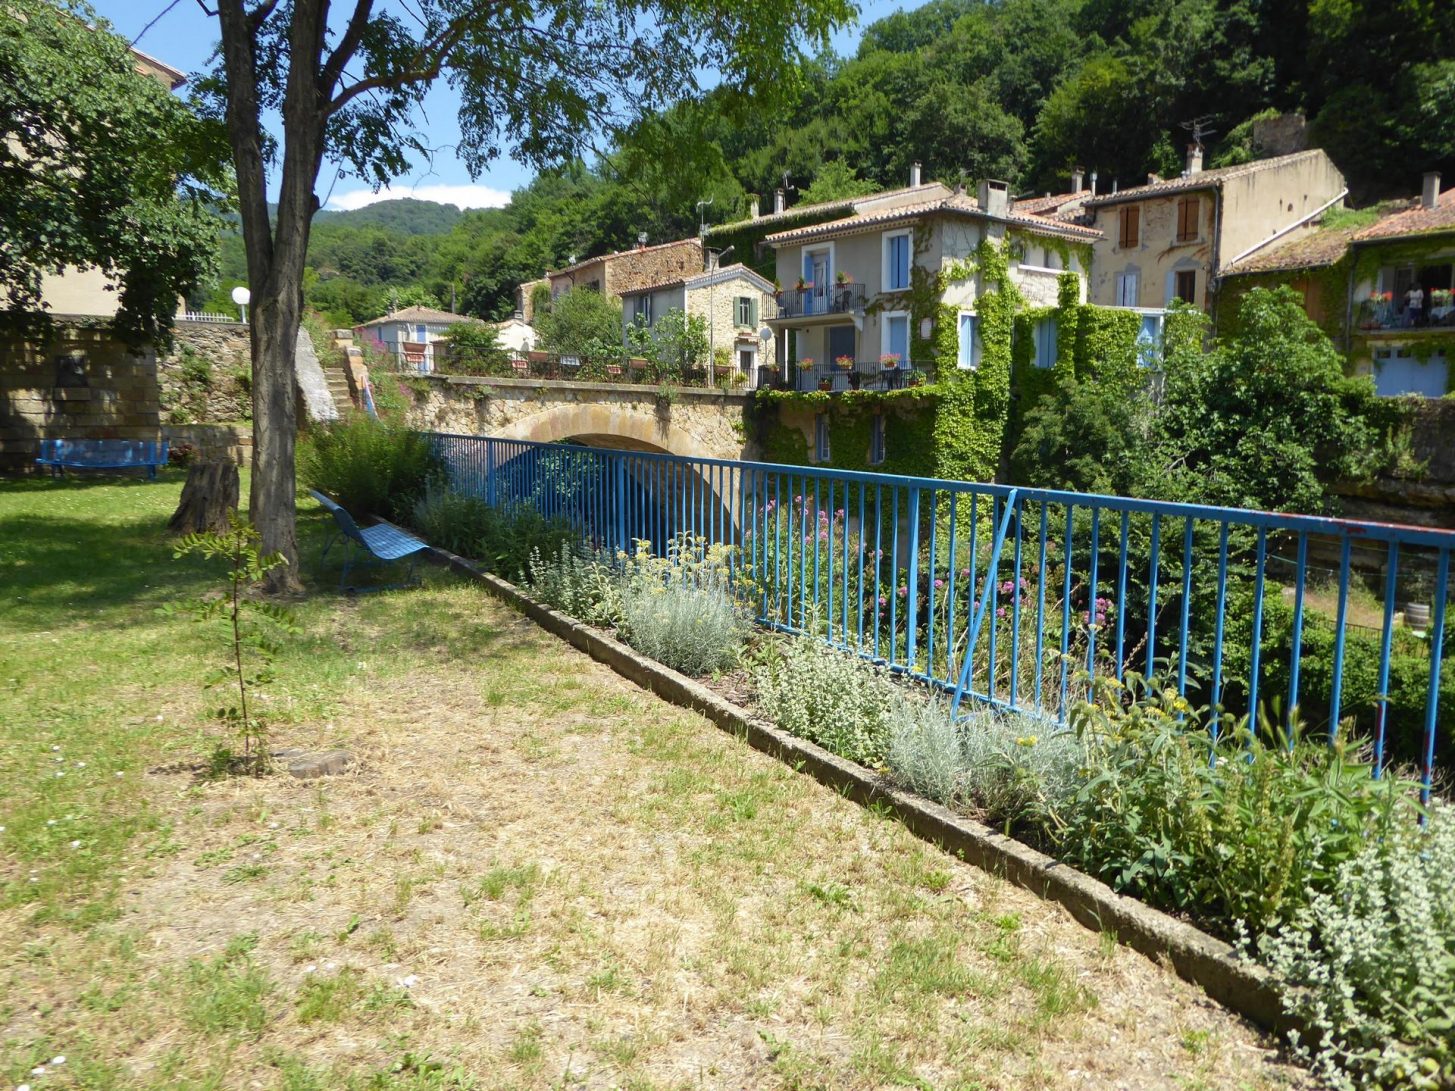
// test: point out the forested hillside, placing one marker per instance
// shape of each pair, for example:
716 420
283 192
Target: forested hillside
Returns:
1015 89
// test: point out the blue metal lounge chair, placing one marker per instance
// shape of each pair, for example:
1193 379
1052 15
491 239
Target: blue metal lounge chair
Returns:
382 543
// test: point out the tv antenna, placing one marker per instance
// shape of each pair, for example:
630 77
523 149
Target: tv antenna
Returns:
1198 128
701 219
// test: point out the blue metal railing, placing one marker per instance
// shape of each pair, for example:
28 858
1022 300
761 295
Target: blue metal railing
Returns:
1030 599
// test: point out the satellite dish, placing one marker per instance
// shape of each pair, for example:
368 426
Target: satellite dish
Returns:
766 333
241 296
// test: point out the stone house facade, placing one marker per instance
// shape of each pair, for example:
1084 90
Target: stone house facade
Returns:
628 270
851 287
732 300
1175 238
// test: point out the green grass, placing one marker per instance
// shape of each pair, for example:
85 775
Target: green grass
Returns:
538 876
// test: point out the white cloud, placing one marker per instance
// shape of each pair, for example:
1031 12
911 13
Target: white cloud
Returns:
466 196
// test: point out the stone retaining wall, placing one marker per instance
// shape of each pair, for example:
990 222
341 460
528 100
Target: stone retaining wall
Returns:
84 384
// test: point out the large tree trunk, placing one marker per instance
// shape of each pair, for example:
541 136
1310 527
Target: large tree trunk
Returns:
271 495
209 499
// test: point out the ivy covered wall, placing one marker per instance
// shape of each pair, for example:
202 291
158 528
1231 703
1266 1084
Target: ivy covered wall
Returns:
963 424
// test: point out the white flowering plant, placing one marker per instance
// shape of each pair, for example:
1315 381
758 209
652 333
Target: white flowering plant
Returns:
1368 965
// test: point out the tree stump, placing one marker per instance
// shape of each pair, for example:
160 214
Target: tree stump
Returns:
209 499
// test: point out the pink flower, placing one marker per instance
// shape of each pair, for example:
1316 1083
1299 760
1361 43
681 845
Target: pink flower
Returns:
1000 611
903 591
939 584
1007 586
964 573
883 601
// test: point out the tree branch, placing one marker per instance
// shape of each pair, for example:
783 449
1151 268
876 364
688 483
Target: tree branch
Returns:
333 68
426 66
259 15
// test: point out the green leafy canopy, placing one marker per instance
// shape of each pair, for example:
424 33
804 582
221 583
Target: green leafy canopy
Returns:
101 167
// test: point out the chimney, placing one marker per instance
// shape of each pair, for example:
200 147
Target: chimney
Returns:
914 175
1113 185
1076 176
1430 196
753 209
994 197
1194 158
1093 183
1153 179
777 200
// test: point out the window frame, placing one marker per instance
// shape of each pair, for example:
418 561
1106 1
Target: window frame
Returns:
974 362
1177 275
1194 202
1130 214
1038 329
1119 282
877 452
886 238
821 449
885 343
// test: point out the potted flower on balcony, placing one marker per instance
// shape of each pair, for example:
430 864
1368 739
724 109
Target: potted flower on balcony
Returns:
844 363
916 377
889 361
804 284
841 278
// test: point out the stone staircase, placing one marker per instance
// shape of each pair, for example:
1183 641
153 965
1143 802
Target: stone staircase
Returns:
338 389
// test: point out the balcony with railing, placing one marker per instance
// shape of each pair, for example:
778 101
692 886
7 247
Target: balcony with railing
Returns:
834 377
827 302
1385 311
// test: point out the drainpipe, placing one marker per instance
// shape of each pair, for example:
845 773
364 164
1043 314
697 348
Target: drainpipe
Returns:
1215 277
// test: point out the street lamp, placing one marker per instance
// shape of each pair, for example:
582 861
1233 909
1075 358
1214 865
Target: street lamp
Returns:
242 297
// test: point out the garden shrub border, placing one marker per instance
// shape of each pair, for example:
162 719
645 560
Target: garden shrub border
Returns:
1213 965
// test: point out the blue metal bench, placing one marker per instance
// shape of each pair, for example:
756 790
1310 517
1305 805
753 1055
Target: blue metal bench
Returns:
379 544
102 454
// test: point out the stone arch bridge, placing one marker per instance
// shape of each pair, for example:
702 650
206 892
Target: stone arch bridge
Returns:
695 423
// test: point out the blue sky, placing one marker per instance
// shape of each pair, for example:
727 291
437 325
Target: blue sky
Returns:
184 38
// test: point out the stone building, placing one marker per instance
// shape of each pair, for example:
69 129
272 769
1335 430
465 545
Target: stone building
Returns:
732 300
1175 238
627 270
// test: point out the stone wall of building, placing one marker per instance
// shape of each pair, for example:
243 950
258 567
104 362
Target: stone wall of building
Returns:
702 423
84 384
718 305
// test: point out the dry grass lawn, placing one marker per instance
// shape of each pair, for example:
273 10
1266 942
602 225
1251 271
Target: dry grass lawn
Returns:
538 876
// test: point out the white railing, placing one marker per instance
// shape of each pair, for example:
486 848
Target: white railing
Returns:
206 316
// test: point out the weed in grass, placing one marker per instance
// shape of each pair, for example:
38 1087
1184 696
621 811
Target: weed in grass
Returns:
924 966
228 995
325 999
525 1048
831 894
498 880
1057 993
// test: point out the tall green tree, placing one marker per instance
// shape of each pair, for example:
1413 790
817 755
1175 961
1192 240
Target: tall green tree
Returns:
535 76
101 167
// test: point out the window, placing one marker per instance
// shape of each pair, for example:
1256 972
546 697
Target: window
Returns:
421 333
1189 211
643 311
746 312
821 437
818 270
746 359
896 337
1131 226
1045 333
969 342
1053 259
1126 288
1186 286
1149 341
841 342
896 261
876 440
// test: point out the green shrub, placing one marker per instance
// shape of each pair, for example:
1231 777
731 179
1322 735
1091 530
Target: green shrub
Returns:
1241 830
681 609
585 587
518 533
1008 769
451 521
696 630
369 466
838 701
1368 965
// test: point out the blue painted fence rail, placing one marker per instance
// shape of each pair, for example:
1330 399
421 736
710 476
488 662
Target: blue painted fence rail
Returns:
1030 599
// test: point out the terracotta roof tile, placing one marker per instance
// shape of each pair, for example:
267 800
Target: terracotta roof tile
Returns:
1415 220
1205 179
1040 206
957 203
421 314
694 243
845 203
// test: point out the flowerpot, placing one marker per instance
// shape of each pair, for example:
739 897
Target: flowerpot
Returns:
1417 615
825 385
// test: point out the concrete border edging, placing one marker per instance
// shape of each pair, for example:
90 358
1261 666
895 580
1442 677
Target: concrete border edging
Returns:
1197 957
